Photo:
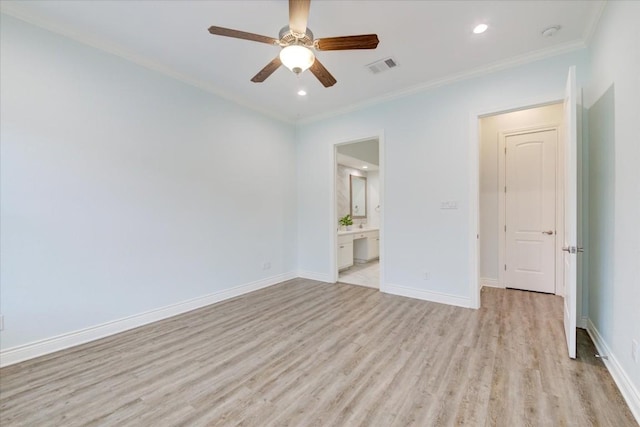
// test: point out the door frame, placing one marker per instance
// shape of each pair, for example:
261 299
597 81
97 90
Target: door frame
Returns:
475 138
333 220
559 208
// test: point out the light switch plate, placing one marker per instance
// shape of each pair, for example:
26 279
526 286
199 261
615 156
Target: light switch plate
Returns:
451 204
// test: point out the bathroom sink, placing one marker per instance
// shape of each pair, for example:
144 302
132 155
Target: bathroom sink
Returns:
356 230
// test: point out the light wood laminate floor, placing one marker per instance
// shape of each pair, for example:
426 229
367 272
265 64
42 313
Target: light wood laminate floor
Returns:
304 353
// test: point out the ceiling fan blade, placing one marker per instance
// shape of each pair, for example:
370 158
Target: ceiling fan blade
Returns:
364 41
267 71
322 74
227 32
298 15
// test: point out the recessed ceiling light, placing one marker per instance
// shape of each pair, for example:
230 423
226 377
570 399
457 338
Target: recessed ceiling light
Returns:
479 29
302 92
365 167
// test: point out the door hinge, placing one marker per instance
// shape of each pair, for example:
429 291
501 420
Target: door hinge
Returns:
505 227
505 267
505 188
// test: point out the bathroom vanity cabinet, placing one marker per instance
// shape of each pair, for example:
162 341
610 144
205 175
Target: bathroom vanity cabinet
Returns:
366 246
345 251
360 245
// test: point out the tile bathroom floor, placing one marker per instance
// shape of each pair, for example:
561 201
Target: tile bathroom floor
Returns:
367 274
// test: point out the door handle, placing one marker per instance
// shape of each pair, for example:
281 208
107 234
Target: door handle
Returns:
548 232
573 249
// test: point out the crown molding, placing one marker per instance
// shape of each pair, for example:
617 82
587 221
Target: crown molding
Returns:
432 84
590 30
8 8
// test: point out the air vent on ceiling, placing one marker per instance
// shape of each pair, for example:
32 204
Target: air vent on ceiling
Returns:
382 65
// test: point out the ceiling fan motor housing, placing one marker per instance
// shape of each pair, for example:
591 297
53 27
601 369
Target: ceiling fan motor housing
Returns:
288 38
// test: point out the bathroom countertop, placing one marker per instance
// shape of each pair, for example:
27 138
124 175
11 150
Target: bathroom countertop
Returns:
356 231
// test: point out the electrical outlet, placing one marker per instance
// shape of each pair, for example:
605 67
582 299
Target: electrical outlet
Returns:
635 349
266 265
426 275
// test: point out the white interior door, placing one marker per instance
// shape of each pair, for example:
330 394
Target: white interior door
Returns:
570 238
530 210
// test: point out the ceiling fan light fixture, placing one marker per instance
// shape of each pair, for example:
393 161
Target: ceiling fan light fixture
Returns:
297 58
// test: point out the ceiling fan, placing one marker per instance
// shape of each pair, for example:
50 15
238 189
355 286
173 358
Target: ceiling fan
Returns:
297 44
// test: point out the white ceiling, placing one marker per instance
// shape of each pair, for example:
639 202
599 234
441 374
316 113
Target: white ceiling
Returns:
359 154
352 162
432 41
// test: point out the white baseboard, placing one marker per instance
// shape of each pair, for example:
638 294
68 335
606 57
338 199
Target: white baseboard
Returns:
426 295
312 275
491 283
24 352
583 322
627 389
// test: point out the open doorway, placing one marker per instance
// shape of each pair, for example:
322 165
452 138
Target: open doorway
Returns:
520 199
358 212
567 246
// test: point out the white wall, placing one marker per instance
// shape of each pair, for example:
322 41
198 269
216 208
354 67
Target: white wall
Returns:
490 129
373 199
124 191
427 141
613 99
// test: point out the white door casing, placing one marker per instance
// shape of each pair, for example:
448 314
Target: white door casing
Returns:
334 255
530 210
570 238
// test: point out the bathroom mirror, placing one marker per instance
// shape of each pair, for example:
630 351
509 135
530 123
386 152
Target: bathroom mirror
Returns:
358 190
